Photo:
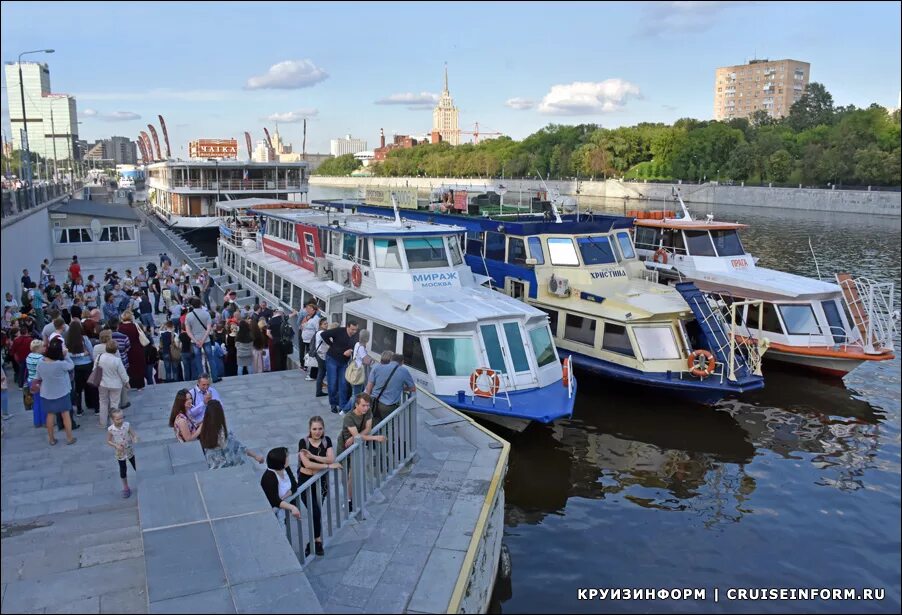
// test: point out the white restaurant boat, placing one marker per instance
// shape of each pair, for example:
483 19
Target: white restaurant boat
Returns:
408 284
828 327
184 193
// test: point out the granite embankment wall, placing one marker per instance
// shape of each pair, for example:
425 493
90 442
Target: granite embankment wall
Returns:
849 201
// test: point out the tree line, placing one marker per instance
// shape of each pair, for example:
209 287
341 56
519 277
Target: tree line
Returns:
818 143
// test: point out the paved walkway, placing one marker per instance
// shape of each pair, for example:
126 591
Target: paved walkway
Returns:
71 543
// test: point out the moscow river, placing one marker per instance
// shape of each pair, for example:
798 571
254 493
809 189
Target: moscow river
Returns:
795 486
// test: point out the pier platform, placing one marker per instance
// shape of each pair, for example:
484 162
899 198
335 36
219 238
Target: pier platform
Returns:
190 538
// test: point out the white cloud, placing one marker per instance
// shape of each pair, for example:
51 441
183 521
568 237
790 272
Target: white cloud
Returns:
115 116
588 98
666 18
288 75
520 103
291 117
412 100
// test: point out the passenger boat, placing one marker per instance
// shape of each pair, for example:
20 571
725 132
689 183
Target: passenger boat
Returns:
184 193
607 313
824 326
408 284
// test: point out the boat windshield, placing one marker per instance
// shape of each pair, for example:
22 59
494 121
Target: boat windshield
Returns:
425 252
596 250
656 343
727 243
699 243
561 251
453 356
542 346
626 246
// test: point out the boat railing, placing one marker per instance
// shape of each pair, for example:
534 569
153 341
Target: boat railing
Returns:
652 275
235 235
232 184
733 337
871 307
365 467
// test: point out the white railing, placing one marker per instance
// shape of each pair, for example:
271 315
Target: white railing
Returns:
870 305
365 467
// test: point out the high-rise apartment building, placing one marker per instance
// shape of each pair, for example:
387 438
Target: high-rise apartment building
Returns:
445 116
348 145
772 86
121 149
52 118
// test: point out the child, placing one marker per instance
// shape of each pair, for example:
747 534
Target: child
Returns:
121 436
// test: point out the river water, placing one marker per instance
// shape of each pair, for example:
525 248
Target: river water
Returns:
795 486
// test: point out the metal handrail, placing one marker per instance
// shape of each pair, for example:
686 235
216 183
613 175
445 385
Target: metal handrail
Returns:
370 465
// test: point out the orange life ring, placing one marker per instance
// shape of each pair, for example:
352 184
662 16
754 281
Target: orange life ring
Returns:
356 275
661 256
494 382
565 377
701 370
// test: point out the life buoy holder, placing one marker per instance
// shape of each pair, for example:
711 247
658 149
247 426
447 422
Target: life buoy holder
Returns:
356 276
494 382
565 376
703 368
661 256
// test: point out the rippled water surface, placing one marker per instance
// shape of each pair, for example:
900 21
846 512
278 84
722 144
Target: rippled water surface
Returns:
794 486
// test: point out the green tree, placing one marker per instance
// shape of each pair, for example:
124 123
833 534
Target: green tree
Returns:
779 166
741 163
814 108
339 166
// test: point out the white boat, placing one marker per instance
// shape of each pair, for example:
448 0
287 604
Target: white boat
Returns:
408 284
184 193
824 326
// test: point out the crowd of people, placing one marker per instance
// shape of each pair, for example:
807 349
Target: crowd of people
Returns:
82 347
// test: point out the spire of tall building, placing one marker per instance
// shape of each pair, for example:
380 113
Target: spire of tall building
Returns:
445 90
445 116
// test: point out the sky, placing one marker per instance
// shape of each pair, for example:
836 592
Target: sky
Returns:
217 69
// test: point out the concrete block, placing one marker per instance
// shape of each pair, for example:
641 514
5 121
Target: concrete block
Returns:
169 500
433 592
347 597
213 601
388 599
289 593
85 605
254 547
233 491
102 554
182 561
51 495
401 575
458 529
366 569
184 453
124 602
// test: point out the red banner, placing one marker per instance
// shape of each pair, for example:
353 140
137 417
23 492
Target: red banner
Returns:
156 141
165 136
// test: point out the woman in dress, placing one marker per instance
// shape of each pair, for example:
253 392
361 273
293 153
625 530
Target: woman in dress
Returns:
221 447
260 344
136 360
244 349
231 358
56 388
185 429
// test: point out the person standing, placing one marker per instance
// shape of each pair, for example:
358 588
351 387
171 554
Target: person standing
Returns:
281 336
136 361
20 348
74 269
309 325
386 384
170 353
32 361
115 378
199 325
56 388
231 357
320 348
157 291
79 348
362 361
258 329
341 342
315 453
120 436
202 394
244 349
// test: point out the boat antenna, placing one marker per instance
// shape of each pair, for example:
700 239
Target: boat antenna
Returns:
818 267
394 205
557 216
686 215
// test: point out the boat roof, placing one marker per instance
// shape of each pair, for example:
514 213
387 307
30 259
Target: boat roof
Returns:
772 282
517 224
359 223
690 225
256 202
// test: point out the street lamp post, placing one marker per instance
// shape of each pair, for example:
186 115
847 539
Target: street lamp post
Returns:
25 119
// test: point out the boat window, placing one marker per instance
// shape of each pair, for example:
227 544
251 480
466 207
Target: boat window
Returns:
770 322
413 353
454 247
648 238
310 245
626 246
580 329
349 246
493 348
453 356
542 346
384 338
561 251
296 296
494 246
286 291
324 240
516 251
596 250
425 252
699 243
616 339
388 256
655 342
516 347
837 329
799 319
277 287
474 243
363 250
552 319
335 243
672 239
266 280
727 243
535 250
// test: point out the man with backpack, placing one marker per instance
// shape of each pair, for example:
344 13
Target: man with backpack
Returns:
283 340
